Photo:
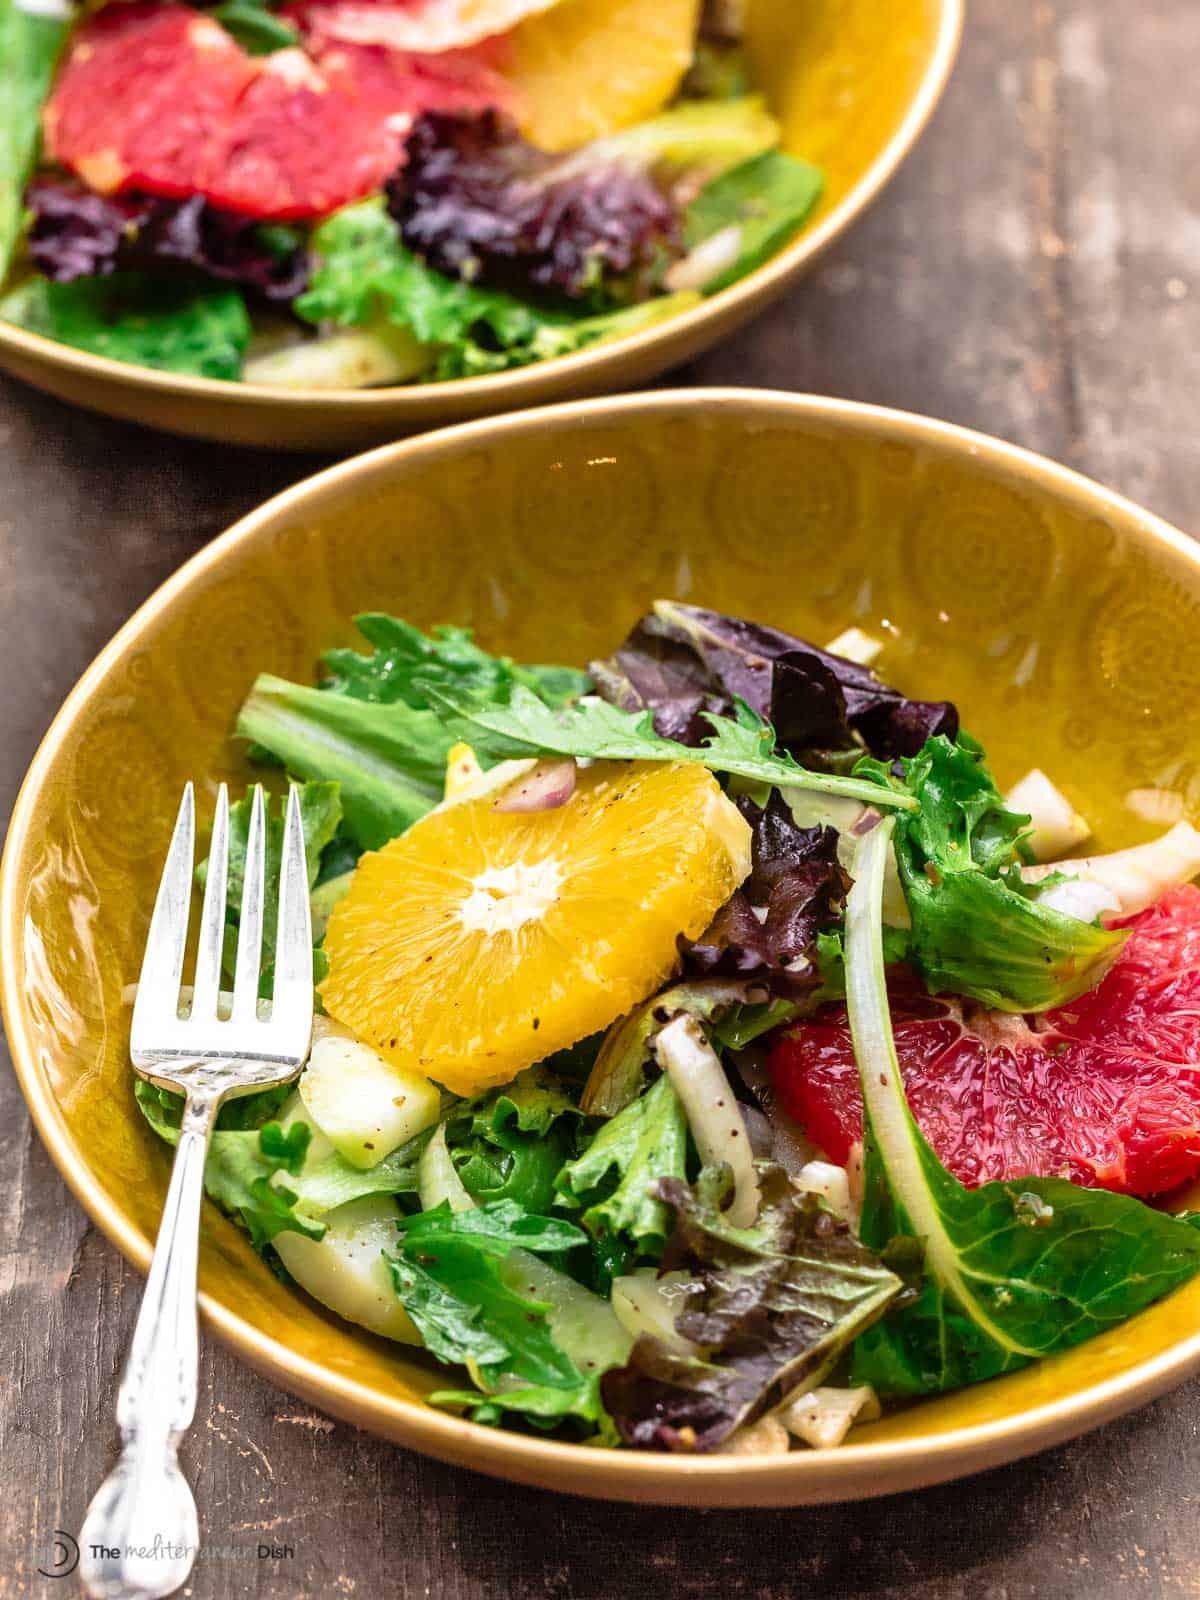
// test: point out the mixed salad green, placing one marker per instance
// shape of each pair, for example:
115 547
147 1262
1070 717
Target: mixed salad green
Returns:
279 193
838 1157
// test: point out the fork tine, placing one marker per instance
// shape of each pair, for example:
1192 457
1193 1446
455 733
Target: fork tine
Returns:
162 965
250 923
207 983
293 939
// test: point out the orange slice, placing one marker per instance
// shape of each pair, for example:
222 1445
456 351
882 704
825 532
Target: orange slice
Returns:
482 941
590 67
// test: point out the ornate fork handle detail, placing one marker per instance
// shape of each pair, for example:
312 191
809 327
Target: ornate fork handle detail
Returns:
140 1535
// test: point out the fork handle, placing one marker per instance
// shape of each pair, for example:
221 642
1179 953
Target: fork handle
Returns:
139 1538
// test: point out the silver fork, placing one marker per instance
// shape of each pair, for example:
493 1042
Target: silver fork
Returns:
140 1535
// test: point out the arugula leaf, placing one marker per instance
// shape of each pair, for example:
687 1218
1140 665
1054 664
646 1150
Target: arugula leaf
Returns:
465 1279
767 198
775 1307
617 1175
29 48
255 26
242 1161
742 745
975 929
494 1229
168 323
406 664
1010 1271
364 272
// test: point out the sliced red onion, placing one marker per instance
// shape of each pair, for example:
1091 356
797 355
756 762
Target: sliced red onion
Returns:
550 784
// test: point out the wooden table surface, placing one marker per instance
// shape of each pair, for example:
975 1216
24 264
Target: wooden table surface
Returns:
1034 272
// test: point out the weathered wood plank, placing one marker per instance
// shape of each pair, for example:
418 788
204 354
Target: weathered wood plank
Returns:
1031 273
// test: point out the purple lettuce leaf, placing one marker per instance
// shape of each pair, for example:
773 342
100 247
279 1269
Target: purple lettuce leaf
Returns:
681 661
773 1308
796 889
74 233
476 201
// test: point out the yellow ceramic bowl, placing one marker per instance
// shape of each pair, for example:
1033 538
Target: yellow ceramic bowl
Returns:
1061 618
852 81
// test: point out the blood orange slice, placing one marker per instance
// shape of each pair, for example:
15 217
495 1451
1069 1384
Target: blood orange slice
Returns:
1105 1091
157 97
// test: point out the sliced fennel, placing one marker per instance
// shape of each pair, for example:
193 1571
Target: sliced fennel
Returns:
345 1269
1054 824
712 1110
437 1176
349 358
647 1303
363 1104
1125 882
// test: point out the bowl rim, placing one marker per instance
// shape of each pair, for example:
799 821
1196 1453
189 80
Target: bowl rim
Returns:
854 1470
600 363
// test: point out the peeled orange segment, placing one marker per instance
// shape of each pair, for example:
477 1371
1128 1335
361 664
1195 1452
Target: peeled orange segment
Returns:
590 67
482 941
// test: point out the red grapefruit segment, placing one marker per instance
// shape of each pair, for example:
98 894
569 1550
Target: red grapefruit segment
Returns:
1105 1091
157 97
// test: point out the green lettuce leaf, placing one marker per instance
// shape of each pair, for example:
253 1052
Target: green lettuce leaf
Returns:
242 1161
976 930
509 1144
373 727
364 272
389 761
767 198
167 323
240 1167
29 49
743 745
1008 1272
617 1175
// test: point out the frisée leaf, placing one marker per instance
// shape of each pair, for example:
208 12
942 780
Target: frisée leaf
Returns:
372 726
616 1176
1010 1271
976 929
406 664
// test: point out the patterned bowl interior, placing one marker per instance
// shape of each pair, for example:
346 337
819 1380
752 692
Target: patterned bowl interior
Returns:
1057 617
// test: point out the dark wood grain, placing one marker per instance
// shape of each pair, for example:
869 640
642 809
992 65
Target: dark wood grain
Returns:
1033 272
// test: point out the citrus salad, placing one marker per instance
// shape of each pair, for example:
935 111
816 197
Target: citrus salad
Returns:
341 193
709 1054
